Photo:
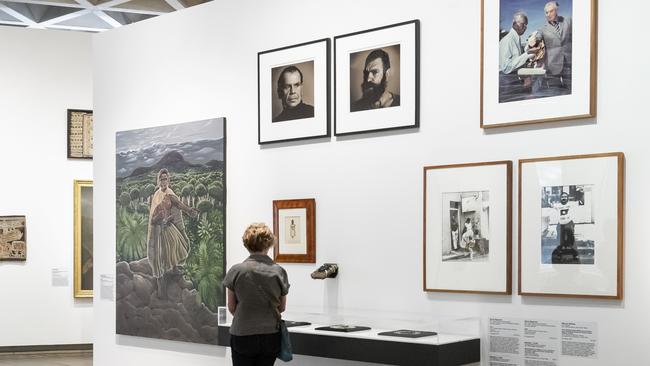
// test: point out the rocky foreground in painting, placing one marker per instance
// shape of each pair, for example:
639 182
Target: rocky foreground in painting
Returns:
180 317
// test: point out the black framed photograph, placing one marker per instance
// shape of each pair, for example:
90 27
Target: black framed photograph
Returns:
377 79
80 134
293 92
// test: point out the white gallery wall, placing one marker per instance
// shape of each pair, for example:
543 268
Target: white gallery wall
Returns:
42 74
201 63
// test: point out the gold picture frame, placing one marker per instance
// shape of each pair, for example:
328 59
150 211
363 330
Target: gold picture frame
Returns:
83 235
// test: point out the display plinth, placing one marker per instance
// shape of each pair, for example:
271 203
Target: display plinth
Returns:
368 346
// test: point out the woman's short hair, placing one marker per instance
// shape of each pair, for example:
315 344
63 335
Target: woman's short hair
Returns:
258 237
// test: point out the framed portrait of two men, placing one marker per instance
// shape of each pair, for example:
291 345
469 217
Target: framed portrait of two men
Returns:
467 228
294 92
538 61
571 211
376 81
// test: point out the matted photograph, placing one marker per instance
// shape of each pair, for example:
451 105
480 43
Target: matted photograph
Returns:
80 134
294 225
377 79
535 50
13 238
568 226
467 228
571 226
83 238
293 92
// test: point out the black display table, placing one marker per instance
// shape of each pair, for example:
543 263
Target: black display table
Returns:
367 346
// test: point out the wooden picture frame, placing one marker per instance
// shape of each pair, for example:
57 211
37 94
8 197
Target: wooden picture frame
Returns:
357 109
80 134
83 238
13 238
294 225
567 245
300 110
515 90
467 228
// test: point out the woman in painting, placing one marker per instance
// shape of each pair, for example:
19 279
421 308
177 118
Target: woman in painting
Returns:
167 243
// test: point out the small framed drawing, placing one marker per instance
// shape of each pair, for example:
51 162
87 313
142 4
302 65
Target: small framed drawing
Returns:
13 238
571 226
538 61
468 228
377 79
80 134
83 238
294 225
293 91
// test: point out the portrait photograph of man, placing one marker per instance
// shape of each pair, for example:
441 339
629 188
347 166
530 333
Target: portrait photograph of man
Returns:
293 91
377 74
375 78
535 49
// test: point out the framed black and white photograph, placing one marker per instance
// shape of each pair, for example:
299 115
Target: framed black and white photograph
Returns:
466 234
467 228
570 226
538 61
377 79
293 92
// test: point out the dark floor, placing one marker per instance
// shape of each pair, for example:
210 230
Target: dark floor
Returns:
47 359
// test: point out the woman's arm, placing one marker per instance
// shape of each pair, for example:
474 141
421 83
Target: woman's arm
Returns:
232 301
185 208
283 304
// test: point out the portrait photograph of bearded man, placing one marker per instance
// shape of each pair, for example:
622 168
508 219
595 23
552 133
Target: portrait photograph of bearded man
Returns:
375 78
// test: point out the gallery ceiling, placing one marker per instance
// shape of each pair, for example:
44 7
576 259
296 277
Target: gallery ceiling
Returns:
85 15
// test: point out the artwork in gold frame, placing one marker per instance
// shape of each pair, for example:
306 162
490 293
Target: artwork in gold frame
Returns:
83 238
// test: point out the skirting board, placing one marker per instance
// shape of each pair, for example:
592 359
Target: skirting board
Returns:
47 348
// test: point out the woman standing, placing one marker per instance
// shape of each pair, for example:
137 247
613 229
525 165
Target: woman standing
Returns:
167 243
257 290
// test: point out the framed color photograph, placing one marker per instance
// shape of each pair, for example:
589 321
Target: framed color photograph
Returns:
293 92
13 238
467 228
377 79
538 61
80 134
571 226
294 225
83 238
